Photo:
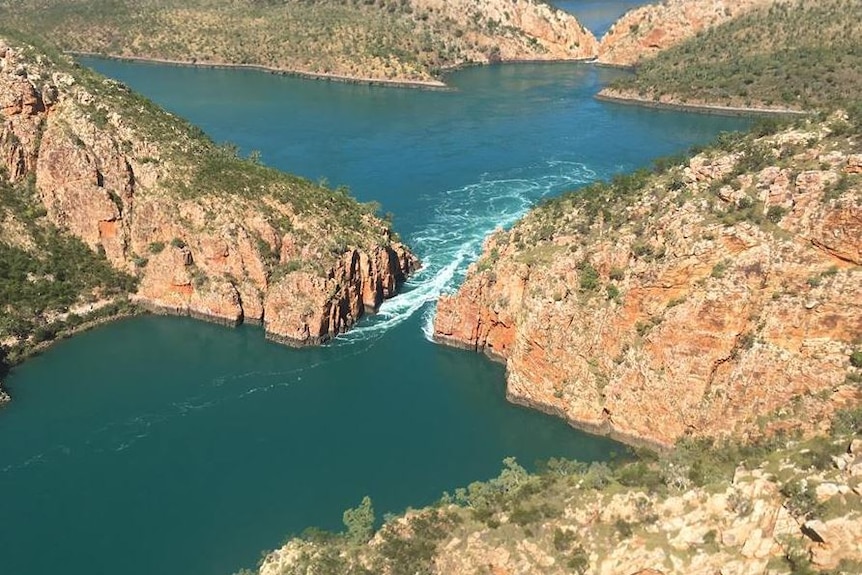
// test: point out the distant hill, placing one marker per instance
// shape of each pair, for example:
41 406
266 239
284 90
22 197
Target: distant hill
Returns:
380 40
804 55
647 30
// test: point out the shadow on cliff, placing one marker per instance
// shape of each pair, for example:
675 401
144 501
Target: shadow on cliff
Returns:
4 365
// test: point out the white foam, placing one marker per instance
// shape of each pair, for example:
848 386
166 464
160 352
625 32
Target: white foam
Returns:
461 220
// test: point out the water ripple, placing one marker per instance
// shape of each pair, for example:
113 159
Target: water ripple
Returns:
461 219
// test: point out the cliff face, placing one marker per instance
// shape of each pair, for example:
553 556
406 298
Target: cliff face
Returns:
206 233
498 30
385 41
646 31
720 298
743 62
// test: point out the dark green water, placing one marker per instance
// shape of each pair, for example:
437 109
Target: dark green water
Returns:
169 446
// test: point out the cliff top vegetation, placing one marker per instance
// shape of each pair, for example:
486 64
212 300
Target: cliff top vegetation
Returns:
382 40
798 54
620 517
129 184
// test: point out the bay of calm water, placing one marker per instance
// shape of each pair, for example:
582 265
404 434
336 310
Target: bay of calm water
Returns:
170 446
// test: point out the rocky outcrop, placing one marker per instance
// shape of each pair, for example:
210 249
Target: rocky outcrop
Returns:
647 30
206 233
359 281
722 298
780 516
516 30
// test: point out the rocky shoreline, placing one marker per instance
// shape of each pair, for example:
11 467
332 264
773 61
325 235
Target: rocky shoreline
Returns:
699 302
197 230
667 103
392 83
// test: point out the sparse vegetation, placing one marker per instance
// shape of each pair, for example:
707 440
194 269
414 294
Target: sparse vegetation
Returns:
778 59
519 506
48 277
44 272
398 40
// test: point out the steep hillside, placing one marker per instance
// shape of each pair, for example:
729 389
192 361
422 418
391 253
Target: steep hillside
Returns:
719 297
772 57
644 32
786 507
102 195
383 40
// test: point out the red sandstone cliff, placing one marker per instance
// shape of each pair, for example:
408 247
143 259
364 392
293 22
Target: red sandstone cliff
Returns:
720 298
512 30
207 234
645 31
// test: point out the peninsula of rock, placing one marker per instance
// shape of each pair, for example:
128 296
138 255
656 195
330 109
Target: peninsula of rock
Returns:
718 298
164 218
403 42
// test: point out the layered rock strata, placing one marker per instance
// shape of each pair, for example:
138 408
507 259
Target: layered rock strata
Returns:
647 30
720 298
206 233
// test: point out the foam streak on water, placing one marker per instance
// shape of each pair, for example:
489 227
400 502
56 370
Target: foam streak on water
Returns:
460 221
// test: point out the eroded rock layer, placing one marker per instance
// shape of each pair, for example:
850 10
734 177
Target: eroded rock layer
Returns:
721 297
647 30
207 234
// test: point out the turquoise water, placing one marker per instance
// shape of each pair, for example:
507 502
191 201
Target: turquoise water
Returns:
169 446
598 15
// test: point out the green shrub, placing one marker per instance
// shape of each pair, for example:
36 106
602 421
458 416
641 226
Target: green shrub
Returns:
775 213
623 528
564 539
617 274
359 521
800 500
588 278
579 561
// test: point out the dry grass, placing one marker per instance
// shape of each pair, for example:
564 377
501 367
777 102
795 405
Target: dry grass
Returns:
802 54
405 40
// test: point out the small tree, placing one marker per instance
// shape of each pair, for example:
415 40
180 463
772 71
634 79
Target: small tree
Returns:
359 521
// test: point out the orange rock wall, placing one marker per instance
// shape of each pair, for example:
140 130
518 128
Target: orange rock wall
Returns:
732 329
209 255
647 30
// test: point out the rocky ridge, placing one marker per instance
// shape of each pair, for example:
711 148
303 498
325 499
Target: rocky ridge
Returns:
720 297
648 30
389 41
768 57
204 232
792 508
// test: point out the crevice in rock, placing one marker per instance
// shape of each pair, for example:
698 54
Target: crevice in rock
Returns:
829 252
